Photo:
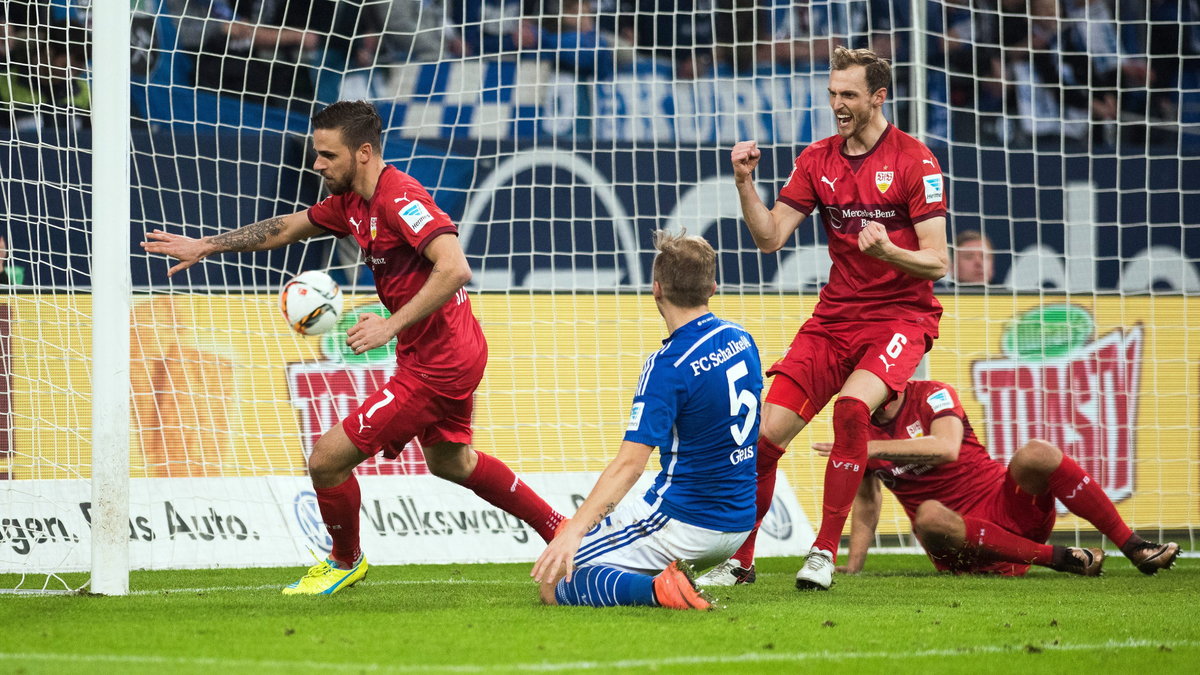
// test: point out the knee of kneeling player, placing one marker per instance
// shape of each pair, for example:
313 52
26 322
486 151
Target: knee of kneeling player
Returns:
937 526
546 593
1037 455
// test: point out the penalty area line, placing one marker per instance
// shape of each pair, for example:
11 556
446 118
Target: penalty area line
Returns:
731 659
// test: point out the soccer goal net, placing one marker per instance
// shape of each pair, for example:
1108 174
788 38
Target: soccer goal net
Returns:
559 135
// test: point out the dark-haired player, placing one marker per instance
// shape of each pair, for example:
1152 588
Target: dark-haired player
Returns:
420 270
882 203
971 513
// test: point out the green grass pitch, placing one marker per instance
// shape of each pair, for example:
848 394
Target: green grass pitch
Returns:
900 617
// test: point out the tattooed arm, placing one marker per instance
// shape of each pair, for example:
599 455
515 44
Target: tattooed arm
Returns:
610 488
941 446
261 236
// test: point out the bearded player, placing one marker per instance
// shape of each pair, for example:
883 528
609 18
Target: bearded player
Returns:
420 270
971 513
880 195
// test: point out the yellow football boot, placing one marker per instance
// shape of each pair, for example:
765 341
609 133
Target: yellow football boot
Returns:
325 579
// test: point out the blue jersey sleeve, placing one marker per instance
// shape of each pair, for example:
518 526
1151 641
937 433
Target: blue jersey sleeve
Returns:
655 404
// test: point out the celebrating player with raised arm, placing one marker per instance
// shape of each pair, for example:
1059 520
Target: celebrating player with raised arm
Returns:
412 248
880 195
971 513
697 401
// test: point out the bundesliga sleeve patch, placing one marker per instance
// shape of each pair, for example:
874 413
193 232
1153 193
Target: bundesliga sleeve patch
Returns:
415 215
635 416
933 188
940 400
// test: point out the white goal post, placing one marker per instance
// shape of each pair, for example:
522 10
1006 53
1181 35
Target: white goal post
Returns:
149 422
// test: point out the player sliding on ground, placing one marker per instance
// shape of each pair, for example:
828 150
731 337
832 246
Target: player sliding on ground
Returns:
697 401
880 196
972 514
420 270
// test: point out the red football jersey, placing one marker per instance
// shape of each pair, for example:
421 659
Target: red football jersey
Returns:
446 348
897 183
958 484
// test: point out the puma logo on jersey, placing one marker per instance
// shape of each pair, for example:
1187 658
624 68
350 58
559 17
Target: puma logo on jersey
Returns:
832 188
356 223
886 365
928 161
362 423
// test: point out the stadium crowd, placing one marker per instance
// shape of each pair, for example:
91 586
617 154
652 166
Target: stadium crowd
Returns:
1071 73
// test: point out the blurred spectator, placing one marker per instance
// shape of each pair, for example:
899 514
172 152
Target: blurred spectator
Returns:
487 26
735 37
803 33
1112 61
1050 102
252 49
1174 51
971 43
972 259
678 32
43 80
10 274
412 31
564 32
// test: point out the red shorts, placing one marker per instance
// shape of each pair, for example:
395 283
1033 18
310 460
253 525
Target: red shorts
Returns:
822 356
1017 511
404 408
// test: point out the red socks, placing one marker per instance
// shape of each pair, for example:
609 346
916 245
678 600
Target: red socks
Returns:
767 461
844 471
339 508
1082 496
493 481
1001 544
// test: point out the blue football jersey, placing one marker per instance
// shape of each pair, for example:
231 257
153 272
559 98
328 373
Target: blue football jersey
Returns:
698 401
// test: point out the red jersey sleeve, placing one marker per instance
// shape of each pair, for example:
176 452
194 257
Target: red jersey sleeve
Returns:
938 400
418 220
927 188
328 214
798 191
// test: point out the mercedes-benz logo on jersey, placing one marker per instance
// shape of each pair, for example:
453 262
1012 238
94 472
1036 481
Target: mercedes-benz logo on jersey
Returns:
778 522
308 517
834 215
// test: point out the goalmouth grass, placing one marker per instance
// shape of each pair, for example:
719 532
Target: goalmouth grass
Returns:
899 617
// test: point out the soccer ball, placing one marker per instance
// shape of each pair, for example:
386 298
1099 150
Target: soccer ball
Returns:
311 303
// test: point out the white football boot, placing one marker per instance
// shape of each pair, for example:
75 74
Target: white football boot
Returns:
817 573
728 573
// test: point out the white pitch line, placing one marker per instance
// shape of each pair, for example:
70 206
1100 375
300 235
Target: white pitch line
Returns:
386 582
773 657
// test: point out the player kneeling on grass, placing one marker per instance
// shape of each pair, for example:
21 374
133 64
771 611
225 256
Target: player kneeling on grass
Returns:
971 513
697 401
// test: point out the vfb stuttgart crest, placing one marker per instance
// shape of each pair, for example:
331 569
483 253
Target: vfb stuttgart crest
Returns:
883 180
1060 383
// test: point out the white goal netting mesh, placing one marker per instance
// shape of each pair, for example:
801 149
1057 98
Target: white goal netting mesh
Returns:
559 135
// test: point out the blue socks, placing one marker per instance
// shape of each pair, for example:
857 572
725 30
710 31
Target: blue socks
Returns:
600 586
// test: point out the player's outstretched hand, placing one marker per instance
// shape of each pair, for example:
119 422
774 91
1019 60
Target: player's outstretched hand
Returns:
186 250
370 332
873 240
559 557
823 448
744 158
